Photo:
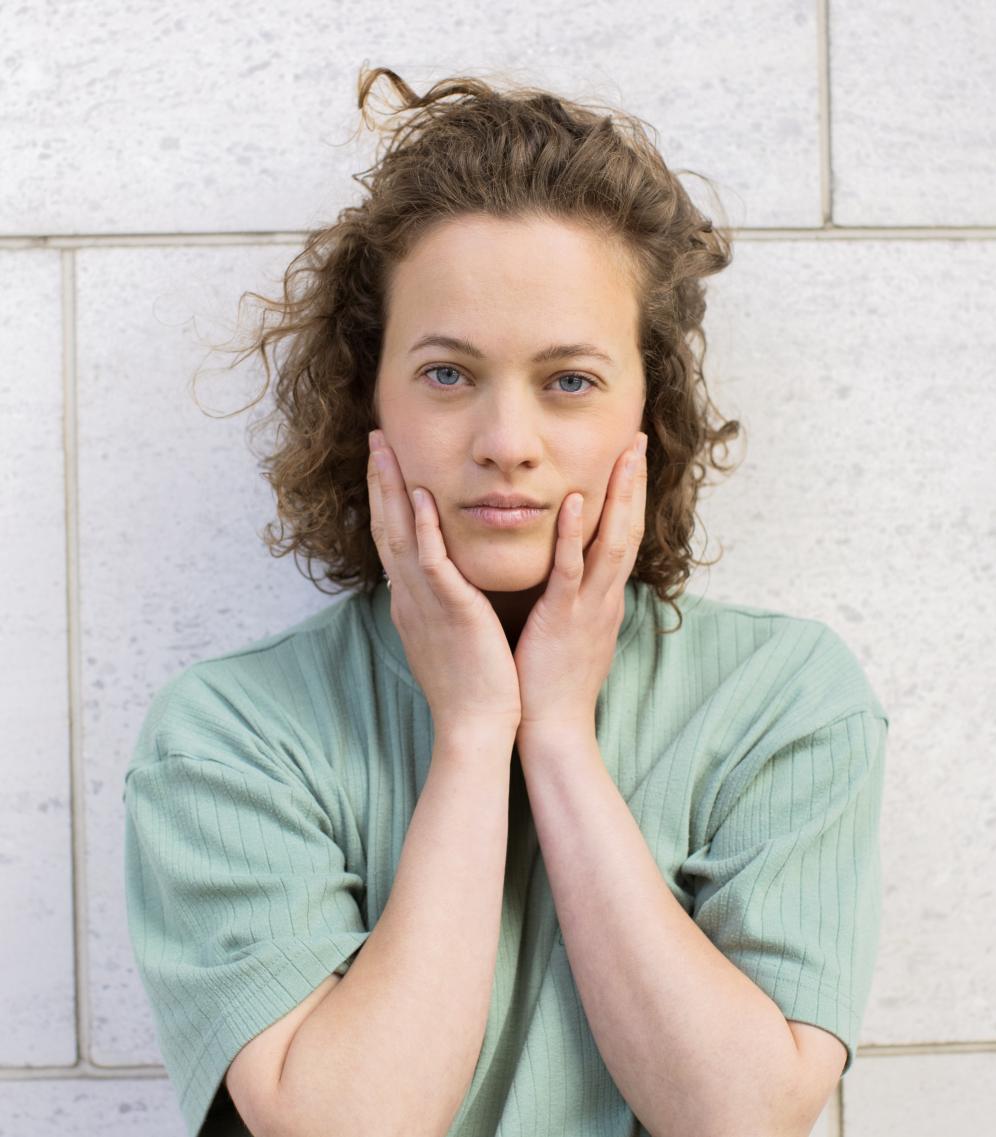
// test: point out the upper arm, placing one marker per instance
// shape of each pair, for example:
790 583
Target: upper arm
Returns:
788 882
822 1056
253 1076
241 898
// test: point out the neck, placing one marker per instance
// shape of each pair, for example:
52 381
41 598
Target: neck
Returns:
513 608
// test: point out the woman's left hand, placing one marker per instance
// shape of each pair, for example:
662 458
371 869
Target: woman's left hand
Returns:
564 652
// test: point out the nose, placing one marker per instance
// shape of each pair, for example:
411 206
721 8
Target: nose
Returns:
506 433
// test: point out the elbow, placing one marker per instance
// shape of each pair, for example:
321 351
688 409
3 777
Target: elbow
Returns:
344 1122
772 1127
746 1123
741 1128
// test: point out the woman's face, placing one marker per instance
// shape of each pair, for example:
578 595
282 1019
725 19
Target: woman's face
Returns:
485 416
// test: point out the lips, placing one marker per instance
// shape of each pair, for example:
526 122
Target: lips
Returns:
506 501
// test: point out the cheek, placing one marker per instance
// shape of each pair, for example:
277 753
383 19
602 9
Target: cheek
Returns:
416 471
594 482
411 461
595 488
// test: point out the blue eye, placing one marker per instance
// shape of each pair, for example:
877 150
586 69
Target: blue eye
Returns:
572 375
439 386
441 368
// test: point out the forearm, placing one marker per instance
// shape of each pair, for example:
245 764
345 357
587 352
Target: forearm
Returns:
393 1046
695 1047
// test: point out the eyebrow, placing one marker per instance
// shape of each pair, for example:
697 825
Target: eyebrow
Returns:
551 351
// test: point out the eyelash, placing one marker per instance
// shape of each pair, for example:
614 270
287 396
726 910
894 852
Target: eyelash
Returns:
436 386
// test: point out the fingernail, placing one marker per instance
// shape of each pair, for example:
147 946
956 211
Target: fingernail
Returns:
380 458
641 444
376 440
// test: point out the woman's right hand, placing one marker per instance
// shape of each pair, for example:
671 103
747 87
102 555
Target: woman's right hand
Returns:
456 646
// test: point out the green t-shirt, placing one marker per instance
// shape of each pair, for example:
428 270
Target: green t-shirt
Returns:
271 789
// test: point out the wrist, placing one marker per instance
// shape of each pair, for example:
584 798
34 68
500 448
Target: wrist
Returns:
474 732
581 727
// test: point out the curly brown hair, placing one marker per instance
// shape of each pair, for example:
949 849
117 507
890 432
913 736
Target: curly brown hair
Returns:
471 148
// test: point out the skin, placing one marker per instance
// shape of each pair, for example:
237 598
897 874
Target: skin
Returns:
500 422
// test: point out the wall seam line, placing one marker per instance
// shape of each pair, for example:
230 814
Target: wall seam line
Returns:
75 703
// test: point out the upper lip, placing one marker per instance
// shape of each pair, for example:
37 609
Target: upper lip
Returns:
507 501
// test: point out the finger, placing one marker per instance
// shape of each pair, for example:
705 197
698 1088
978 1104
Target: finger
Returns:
451 589
568 555
397 519
410 542
620 529
377 516
432 556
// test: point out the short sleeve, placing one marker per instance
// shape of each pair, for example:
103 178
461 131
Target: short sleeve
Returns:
788 888
239 905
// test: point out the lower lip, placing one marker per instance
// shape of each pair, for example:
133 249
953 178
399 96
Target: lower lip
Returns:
503 518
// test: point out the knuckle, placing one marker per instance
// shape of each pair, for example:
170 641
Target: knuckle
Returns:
397 543
616 552
572 571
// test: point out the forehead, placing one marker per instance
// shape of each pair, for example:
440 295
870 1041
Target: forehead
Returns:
509 279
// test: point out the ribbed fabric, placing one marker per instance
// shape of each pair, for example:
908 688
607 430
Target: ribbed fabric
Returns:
271 789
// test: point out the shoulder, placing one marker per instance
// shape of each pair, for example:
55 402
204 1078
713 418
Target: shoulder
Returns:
257 696
798 663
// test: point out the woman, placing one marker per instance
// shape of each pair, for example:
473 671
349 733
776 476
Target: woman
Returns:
520 839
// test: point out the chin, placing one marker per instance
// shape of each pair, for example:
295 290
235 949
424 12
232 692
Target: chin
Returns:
504 570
